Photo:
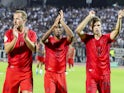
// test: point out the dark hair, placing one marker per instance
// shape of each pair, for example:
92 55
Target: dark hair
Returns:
94 20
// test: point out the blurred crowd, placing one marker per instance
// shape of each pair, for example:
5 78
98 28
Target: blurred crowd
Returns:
40 20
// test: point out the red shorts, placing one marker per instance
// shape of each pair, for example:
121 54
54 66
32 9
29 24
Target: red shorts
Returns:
15 78
70 60
101 83
55 82
40 58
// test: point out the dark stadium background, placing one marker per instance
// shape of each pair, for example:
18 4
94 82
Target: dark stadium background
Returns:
41 14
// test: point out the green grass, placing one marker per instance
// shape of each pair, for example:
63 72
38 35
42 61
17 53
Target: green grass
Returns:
75 80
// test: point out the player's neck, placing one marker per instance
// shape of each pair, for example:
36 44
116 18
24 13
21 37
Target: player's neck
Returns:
97 36
58 38
21 29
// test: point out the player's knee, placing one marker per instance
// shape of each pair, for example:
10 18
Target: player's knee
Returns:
25 91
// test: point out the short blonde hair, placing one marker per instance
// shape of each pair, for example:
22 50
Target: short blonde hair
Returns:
24 14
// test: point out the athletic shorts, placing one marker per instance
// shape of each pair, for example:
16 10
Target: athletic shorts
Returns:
55 82
100 83
16 78
71 61
40 58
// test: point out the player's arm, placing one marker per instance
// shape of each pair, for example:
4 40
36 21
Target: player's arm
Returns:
9 46
43 50
82 25
115 32
68 31
48 33
31 45
37 47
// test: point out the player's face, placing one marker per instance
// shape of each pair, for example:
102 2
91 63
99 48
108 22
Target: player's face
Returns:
97 28
58 31
18 20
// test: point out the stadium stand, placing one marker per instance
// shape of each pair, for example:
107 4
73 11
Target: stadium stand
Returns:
40 19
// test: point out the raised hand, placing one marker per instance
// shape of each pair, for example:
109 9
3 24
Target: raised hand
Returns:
15 31
56 21
121 13
26 32
61 15
92 13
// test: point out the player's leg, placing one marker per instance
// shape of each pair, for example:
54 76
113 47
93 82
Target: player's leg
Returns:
91 85
49 82
25 91
11 84
37 66
41 63
41 70
26 85
104 85
71 64
61 85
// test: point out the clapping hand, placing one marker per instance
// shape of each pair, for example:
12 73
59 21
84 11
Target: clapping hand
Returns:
56 21
61 15
15 31
26 32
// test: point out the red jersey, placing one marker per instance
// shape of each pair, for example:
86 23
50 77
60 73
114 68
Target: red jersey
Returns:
97 52
21 55
56 51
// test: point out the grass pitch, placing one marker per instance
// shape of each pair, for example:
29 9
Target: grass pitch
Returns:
75 79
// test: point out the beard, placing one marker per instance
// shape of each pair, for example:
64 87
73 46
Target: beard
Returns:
57 35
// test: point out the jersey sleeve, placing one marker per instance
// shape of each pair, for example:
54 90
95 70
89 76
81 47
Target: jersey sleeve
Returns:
67 42
33 36
87 38
7 36
109 39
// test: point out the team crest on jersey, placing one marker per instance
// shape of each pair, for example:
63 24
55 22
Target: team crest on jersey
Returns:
5 38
